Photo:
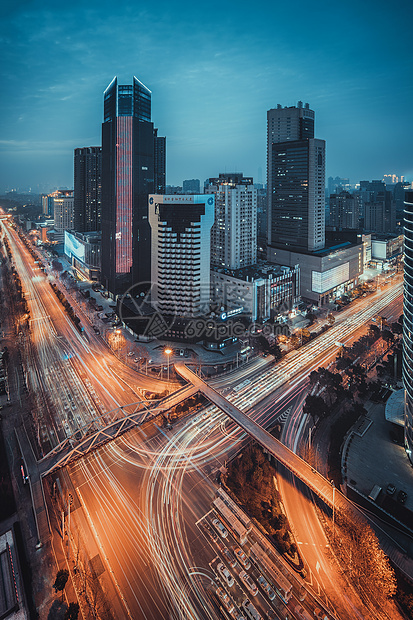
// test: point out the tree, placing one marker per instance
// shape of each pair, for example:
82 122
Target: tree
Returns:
387 336
396 328
61 580
374 331
72 612
294 341
315 406
57 265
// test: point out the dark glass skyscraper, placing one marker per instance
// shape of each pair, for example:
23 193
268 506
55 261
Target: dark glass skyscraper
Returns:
408 324
87 189
129 144
295 180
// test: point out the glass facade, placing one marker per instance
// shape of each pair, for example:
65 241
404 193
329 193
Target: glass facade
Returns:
133 160
88 186
289 193
124 195
408 324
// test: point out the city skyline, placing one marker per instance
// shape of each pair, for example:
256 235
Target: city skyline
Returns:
213 77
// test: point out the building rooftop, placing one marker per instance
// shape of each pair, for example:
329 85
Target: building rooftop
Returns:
263 269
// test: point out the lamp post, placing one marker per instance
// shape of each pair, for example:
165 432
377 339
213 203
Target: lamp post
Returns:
334 495
167 352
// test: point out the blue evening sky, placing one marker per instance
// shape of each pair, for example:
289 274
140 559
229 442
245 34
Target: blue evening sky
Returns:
214 69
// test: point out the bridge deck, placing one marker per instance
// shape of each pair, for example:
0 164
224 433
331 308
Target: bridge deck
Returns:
300 468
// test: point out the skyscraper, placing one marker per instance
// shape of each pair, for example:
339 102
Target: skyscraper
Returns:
63 212
181 246
133 159
295 180
159 163
87 189
234 233
408 324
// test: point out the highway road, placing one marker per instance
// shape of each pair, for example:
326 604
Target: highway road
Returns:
144 496
171 486
79 374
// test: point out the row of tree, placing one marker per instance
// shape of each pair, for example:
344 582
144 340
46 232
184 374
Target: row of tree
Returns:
71 313
251 479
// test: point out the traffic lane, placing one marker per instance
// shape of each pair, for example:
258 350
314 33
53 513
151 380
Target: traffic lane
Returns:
123 531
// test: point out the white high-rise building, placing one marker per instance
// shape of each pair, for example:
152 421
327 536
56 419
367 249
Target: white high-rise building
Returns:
234 233
181 253
63 210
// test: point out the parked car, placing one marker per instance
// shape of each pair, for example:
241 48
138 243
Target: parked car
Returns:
391 489
250 583
266 587
229 557
225 574
225 599
402 496
220 528
242 557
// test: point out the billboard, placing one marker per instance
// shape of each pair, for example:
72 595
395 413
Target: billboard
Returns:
74 247
323 281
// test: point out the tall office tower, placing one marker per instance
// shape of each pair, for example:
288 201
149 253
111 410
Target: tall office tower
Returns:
191 186
47 204
398 197
234 233
408 324
88 186
262 214
159 163
295 180
181 227
344 211
63 211
129 144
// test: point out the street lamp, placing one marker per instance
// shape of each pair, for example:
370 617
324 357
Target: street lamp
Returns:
167 353
334 494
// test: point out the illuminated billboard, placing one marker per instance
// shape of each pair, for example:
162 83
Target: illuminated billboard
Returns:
74 247
326 280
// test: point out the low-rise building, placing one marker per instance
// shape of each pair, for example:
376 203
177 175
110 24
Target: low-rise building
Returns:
325 274
385 249
260 292
83 252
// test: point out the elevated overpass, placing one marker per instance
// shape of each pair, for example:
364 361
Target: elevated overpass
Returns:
108 426
330 495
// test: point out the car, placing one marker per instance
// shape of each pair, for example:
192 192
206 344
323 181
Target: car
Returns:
250 583
266 587
320 614
402 496
229 557
302 613
136 360
130 354
225 574
220 528
225 599
242 557
391 489
250 610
